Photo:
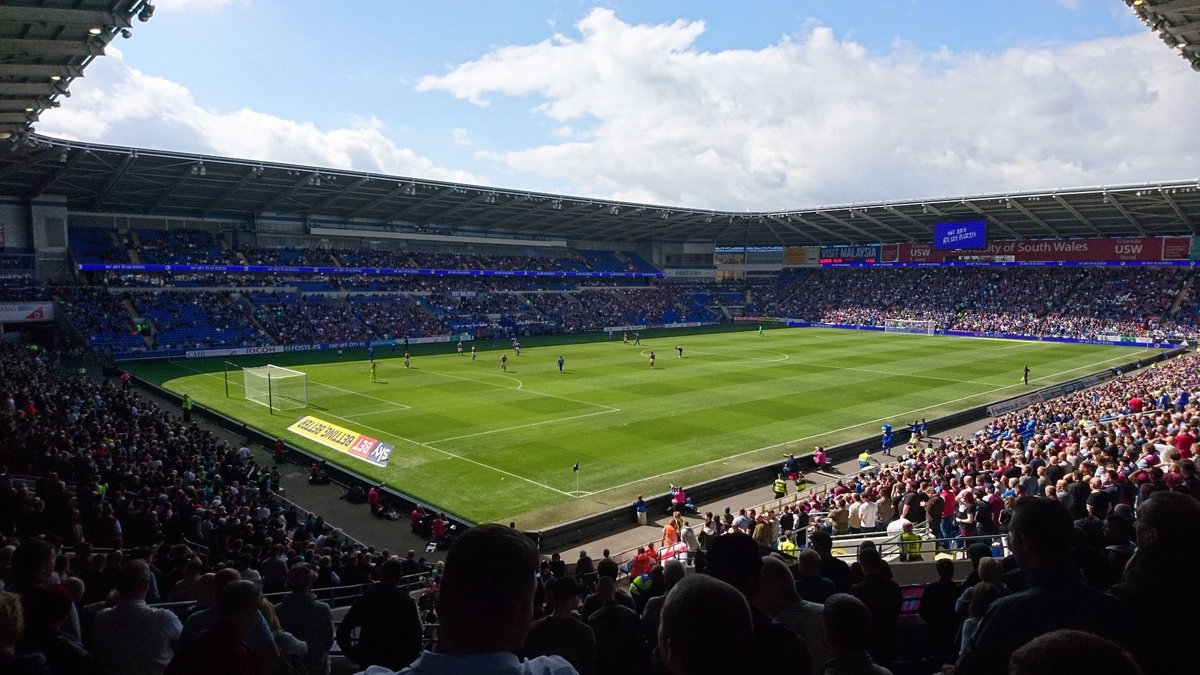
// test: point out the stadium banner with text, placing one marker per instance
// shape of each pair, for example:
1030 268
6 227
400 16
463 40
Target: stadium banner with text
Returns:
281 349
1043 251
1145 343
340 438
294 269
967 234
26 312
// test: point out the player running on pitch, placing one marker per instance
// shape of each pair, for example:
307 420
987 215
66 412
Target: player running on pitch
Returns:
460 348
473 353
651 360
560 363
679 352
373 368
504 363
407 360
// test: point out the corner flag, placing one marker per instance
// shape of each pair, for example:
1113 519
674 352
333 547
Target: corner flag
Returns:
576 467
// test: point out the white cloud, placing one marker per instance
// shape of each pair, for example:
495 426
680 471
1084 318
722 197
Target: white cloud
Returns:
460 136
124 106
814 120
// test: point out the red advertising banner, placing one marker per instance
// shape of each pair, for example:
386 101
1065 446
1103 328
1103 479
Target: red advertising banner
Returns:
1076 250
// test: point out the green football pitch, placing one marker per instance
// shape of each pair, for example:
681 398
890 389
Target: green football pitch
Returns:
492 446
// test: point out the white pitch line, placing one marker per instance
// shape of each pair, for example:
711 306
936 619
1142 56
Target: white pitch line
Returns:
388 434
847 428
526 426
526 391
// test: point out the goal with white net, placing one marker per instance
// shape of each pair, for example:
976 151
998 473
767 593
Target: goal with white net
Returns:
276 387
923 326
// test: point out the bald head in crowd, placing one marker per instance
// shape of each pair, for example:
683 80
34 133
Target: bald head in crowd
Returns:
486 599
700 613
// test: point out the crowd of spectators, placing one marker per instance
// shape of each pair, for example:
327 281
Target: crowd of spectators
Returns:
109 502
308 319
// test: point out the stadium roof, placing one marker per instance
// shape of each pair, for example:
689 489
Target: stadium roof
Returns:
104 179
45 44
41 40
1177 23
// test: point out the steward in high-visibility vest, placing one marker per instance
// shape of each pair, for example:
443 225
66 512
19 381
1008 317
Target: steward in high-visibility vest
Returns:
910 544
787 546
780 487
864 460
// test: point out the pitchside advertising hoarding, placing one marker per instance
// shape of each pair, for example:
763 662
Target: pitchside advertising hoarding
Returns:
342 439
26 312
1039 252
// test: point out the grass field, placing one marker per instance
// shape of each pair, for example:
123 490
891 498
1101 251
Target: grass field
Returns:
487 445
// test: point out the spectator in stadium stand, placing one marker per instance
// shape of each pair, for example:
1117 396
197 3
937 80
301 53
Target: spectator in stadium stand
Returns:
937 610
832 567
306 618
883 598
584 569
810 584
257 635
558 567
1044 586
132 637
673 571
607 567
1072 651
736 559
563 632
705 625
1159 583
778 599
485 606
46 609
620 647
222 648
387 621
845 616
32 565
12 625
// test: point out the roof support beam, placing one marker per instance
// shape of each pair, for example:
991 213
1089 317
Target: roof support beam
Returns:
254 172
1025 212
437 217
996 221
869 218
58 173
66 17
829 216
787 223
50 47
1112 199
15 70
117 175
834 237
304 179
399 215
905 217
166 194
1175 207
1075 212
377 202
324 203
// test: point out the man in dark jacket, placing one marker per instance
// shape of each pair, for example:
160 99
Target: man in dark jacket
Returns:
389 627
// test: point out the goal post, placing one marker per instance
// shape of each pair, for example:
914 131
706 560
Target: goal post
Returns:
276 387
921 326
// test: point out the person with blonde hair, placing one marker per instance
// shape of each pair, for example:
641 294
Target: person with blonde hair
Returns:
12 625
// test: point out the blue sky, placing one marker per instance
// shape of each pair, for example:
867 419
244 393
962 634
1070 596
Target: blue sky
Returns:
756 105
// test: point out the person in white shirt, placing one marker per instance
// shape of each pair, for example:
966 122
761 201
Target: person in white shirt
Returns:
132 638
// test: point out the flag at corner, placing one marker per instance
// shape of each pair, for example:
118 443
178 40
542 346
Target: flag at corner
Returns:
576 467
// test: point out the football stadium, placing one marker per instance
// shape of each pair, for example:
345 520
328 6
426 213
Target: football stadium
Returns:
307 415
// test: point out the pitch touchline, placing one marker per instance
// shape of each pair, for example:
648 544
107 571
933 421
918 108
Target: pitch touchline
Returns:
419 443
847 428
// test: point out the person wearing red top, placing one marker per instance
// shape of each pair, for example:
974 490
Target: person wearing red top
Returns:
641 563
1135 404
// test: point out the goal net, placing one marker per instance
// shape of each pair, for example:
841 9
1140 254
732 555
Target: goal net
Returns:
925 326
276 387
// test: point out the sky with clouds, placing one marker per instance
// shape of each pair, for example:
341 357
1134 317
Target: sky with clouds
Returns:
703 104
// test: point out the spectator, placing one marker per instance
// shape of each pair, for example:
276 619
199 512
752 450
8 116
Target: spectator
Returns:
673 571
223 647
46 609
983 594
132 637
620 646
832 567
937 609
810 584
485 608
1040 537
736 560
307 619
778 599
705 626
387 620
845 616
883 599
1166 606
991 570
1072 651
12 625
562 632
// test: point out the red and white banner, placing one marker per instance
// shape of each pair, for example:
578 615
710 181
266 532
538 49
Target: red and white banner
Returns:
1144 249
23 312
